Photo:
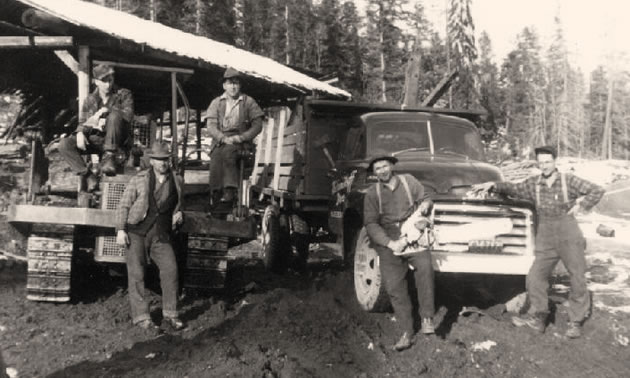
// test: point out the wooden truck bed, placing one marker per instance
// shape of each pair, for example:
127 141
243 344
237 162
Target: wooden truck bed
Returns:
289 161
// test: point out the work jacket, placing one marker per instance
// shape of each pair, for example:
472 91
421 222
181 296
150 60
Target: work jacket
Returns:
121 100
134 204
382 221
249 122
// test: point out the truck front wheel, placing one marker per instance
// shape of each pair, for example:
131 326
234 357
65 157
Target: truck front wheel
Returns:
368 283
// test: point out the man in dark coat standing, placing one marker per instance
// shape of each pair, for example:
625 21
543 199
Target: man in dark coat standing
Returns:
149 210
386 205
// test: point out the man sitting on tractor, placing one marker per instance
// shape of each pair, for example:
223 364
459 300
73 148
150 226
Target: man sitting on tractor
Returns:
103 128
234 120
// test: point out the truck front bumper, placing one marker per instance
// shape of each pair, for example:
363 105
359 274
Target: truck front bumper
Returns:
461 262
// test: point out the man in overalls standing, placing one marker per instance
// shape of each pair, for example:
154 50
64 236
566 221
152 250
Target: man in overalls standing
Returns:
558 197
386 205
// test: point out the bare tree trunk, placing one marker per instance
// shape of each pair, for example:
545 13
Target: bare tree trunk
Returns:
152 10
625 136
607 138
412 75
383 84
198 7
287 38
563 112
448 52
318 47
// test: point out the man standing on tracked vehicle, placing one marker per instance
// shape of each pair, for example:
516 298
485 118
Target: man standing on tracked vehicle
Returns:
386 205
557 197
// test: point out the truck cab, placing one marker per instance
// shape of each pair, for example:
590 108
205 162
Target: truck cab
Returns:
446 155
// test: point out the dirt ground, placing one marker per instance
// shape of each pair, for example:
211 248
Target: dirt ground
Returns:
292 325
265 325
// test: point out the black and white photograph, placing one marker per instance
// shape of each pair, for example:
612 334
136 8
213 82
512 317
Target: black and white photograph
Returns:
314 188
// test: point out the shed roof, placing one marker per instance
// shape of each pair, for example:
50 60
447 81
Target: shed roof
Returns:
160 37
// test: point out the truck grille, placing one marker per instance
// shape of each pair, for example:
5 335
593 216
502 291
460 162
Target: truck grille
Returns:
519 241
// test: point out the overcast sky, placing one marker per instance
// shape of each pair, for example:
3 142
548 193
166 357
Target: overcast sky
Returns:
593 28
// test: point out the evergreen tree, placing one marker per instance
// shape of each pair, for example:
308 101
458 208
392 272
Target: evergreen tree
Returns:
598 96
523 79
489 89
463 52
350 69
303 22
332 56
432 51
254 21
385 54
558 87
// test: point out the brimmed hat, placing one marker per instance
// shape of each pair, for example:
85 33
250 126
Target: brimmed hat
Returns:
231 73
390 158
546 150
159 150
101 70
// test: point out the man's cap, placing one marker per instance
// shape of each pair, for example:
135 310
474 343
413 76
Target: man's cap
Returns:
546 150
390 158
101 70
159 150
231 73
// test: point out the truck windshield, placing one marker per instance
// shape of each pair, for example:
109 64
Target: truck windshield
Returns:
456 139
391 137
395 137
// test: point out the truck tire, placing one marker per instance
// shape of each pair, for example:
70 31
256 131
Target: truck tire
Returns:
368 283
300 241
271 234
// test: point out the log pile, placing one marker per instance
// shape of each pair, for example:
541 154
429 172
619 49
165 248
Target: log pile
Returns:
518 171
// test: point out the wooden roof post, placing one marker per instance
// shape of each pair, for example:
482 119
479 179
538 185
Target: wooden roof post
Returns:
174 151
84 76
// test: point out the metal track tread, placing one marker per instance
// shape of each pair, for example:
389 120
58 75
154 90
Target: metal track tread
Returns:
206 262
49 266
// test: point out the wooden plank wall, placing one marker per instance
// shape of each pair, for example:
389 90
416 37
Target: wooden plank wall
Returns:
279 162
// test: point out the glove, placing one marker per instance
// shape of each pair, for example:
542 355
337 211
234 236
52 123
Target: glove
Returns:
122 239
425 207
81 141
397 246
178 218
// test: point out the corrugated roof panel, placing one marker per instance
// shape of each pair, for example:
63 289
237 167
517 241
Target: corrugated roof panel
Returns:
158 36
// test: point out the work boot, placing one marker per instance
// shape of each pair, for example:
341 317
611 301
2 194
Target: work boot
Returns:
405 342
574 331
535 322
174 322
428 328
228 195
147 324
91 182
108 164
